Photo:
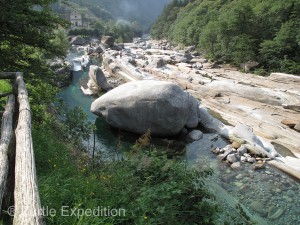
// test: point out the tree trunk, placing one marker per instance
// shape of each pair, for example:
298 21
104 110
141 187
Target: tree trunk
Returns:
27 201
6 139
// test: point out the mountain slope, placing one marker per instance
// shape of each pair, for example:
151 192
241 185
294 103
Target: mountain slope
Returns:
145 12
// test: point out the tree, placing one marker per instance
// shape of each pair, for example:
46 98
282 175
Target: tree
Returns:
26 25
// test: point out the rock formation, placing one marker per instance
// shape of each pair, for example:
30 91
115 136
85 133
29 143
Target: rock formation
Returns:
160 106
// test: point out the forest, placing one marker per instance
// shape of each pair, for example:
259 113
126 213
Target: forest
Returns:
239 31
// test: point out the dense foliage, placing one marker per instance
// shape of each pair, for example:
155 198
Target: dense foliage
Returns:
122 31
27 29
237 31
151 189
30 35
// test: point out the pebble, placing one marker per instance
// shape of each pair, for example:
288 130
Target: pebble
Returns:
236 166
247 155
231 158
242 150
243 158
235 145
275 212
240 176
259 166
250 160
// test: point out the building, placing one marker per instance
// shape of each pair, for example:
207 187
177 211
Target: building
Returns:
76 19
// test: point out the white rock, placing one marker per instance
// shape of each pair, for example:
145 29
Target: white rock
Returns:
231 158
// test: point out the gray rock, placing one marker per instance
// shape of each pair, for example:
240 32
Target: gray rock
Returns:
297 127
275 212
231 158
97 80
197 66
250 160
239 176
160 106
99 49
77 40
195 135
226 153
108 40
90 51
157 63
242 150
249 65
236 166
258 207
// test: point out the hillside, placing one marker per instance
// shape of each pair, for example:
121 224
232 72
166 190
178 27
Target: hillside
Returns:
237 31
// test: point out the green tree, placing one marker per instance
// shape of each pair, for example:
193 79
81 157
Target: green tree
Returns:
25 25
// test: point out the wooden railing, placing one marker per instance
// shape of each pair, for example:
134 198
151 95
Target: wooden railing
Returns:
17 165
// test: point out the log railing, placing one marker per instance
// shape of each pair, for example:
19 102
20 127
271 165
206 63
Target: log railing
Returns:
16 151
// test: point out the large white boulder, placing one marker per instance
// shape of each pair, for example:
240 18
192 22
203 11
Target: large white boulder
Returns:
160 106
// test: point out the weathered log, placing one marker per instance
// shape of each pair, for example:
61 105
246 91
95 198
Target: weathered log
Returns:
27 201
6 139
5 94
7 75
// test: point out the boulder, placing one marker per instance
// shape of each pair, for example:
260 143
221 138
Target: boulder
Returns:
249 65
77 40
108 40
99 49
160 106
157 63
97 80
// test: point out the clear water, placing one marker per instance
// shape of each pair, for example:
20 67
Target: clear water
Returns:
268 196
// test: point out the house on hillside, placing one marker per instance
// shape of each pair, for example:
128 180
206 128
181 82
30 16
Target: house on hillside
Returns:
76 19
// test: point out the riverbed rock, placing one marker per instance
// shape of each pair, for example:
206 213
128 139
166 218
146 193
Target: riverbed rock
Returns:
77 40
275 212
195 135
297 127
108 40
162 107
290 123
236 166
157 63
244 134
231 158
258 207
236 145
97 80
242 150
227 151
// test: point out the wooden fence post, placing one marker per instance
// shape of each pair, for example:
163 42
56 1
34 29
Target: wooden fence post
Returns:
27 201
6 139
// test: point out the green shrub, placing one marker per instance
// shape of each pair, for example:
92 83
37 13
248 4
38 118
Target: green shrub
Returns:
151 189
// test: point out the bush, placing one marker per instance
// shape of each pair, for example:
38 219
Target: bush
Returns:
151 189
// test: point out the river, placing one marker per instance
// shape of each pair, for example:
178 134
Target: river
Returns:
269 196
